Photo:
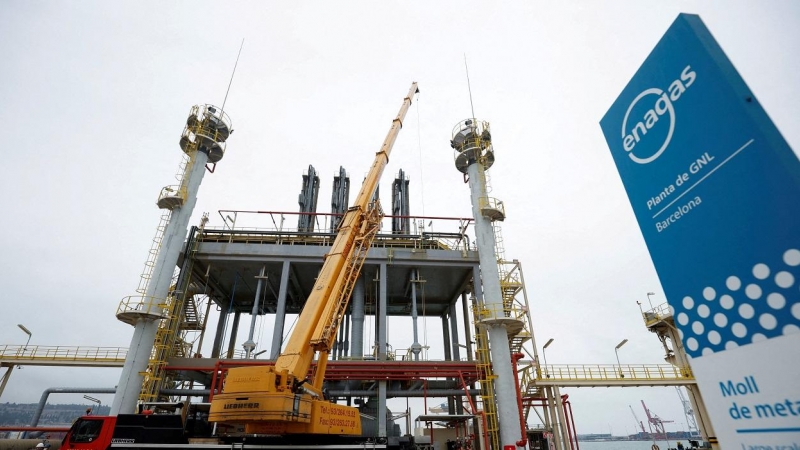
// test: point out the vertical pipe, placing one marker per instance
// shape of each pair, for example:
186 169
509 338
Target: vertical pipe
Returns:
562 435
249 345
563 409
416 347
547 422
454 332
571 418
203 327
478 286
357 338
456 349
381 413
555 426
223 317
337 343
448 351
467 331
346 342
448 355
234 331
382 314
280 313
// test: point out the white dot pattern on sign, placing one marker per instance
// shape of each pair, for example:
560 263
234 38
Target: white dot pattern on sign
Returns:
753 291
776 301
767 321
746 311
784 279
761 271
758 303
792 257
739 330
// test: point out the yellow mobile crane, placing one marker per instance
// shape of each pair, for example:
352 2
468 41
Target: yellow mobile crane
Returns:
282 399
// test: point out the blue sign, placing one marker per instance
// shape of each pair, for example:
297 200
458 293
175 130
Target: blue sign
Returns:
716 191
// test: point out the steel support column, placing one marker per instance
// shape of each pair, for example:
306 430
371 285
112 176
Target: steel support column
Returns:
280 312
234 331
357 333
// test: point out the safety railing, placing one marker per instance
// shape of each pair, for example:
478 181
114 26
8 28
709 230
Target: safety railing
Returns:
173 193
135 306
512 311
62 353
657 314
610 372
276 227
492 208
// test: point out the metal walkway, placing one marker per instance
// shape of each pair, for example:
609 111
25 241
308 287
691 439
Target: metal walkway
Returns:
605 375
38 355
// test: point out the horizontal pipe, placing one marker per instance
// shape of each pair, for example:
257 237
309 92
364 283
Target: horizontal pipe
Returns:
296 213
347 393
65 390
404 393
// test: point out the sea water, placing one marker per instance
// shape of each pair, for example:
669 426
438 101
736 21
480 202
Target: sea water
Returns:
631 445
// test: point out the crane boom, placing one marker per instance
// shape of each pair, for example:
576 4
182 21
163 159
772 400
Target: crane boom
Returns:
638 422
280 399
320 317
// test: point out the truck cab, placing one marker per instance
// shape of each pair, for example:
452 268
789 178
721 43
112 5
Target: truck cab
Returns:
101 432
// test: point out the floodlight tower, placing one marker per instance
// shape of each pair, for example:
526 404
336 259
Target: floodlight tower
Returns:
203 141
474 154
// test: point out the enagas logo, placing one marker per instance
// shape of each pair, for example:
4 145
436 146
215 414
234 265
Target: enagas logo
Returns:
662 109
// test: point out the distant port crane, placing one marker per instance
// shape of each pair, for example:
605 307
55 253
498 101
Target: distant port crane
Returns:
638 422
689 413
656 422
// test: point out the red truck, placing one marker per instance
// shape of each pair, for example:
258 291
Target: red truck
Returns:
149 431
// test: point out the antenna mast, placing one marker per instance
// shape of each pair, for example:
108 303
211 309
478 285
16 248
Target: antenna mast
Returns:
469 87
232 74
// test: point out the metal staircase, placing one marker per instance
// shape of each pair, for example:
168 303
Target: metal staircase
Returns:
171 337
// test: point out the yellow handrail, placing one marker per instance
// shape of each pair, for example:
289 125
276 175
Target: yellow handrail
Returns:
62 353
607 372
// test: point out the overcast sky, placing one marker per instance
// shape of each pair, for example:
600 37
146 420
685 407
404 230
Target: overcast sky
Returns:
94 96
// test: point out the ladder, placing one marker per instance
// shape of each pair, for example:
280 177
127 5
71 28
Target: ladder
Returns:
486 378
